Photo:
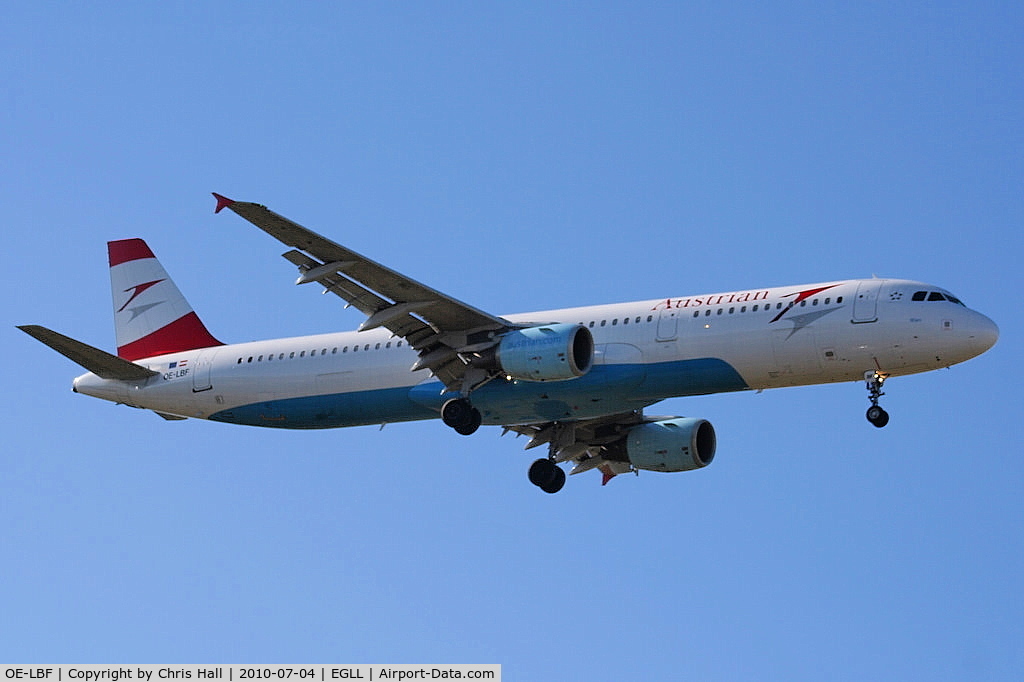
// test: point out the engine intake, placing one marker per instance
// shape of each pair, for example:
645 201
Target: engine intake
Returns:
550 352
679 444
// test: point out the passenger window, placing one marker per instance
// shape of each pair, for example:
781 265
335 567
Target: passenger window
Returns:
291 355
355 349
814 302
259 359
399 344
839 300
615 322
637 320
707 313
334 351
732 310
650 317
625 320
696 313
323 352
389 345
719 311
591 324
366 347
250 359
828 300
743 309
604 322
754 309
377 347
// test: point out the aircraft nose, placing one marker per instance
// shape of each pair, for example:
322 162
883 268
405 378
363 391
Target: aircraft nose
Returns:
984 334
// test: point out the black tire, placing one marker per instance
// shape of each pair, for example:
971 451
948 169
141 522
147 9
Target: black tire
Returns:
469 428
556 483
541 472
457 413
877 416
547 475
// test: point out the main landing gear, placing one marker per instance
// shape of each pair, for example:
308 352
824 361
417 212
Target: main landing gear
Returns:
547 475
876 415
460 414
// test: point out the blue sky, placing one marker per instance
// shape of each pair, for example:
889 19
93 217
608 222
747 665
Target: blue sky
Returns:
519 157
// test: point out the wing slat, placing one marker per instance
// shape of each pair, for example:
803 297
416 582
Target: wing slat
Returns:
426 318
398 288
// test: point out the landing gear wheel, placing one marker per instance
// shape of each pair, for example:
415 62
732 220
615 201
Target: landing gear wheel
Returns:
459 414
470 427
547 475
877 416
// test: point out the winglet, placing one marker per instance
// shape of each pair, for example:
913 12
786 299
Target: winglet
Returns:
222 202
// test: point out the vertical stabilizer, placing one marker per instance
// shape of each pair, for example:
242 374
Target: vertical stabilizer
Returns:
151 317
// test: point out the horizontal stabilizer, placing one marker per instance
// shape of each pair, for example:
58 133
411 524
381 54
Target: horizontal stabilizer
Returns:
99 362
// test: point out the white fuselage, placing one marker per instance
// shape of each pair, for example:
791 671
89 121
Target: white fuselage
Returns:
644 352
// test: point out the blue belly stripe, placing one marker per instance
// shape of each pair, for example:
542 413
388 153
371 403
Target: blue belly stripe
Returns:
606 389
329 411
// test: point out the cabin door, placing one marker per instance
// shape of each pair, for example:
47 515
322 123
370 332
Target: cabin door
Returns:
201 380
865 306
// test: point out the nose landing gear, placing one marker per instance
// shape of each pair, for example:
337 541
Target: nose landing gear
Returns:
876 415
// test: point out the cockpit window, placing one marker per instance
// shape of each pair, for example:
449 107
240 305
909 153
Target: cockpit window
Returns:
935 296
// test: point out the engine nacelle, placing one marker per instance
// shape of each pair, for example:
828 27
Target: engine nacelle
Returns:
550 352
680 444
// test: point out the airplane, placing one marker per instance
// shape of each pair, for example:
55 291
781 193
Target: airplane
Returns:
576 380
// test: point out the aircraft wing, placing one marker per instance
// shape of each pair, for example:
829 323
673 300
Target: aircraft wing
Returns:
438 326
588 443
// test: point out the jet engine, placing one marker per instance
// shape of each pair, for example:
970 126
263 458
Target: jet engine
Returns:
550 352
678 444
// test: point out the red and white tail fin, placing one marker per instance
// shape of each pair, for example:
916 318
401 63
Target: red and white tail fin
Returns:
151 317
